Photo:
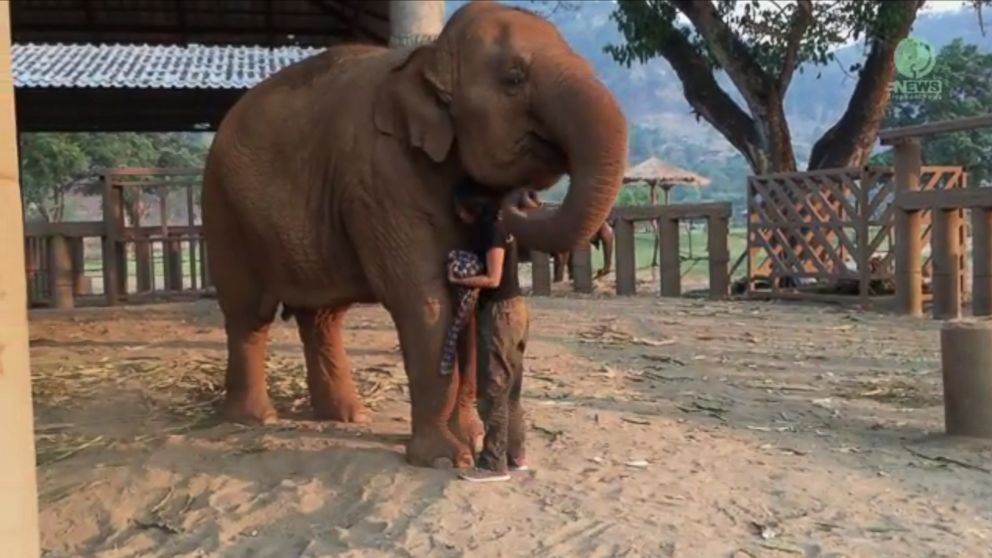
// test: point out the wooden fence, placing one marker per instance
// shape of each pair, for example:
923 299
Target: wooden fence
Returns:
668 219
830 228
946 244
57 253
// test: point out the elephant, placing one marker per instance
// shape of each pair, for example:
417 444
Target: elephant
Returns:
329 184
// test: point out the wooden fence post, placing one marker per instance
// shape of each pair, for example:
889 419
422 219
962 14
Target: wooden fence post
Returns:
981 267
191 221
626 258
909 271
144 271
60 272
581 262
945 248
540 273
671 259
863 234
77 253
111 237
204 271
173 256
717 233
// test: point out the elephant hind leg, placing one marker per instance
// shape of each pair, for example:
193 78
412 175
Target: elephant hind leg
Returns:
247 312
332 390
246 399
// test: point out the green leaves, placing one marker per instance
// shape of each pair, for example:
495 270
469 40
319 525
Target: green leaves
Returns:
54 165
965 74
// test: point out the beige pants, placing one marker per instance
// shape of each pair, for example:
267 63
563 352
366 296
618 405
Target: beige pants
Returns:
502 340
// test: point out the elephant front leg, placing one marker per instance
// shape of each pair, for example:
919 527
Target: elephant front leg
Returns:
422 320
332 390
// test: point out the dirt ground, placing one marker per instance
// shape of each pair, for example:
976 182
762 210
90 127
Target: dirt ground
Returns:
658 427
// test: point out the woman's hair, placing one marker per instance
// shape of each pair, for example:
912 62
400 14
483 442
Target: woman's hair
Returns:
472 197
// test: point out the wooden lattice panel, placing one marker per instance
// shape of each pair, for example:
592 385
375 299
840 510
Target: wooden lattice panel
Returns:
830 225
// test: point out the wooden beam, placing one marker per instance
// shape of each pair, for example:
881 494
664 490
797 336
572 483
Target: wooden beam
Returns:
953 198
892 135
18 477
676 211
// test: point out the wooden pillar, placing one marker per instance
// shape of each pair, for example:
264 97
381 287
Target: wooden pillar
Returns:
966 364
581 262
908 231
671 259
414 22
717 233
77 252
173 256
540 273
945 247
204 271
191 221
981 267
60 272
863 236
18 479
143 271
111 238
625 253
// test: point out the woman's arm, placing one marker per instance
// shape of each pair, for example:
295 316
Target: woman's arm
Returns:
494 271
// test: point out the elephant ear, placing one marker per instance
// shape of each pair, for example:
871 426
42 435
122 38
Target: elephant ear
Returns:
412 104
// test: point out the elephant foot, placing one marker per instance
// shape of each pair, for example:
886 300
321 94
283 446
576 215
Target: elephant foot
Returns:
468 428
348 410
438 449
250 410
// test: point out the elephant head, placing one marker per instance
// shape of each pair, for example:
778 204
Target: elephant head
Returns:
502 93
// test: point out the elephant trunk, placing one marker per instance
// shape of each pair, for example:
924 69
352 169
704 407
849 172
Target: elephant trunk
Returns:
585 122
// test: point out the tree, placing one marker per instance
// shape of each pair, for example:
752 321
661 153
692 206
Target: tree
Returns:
965 74
51 166
760 46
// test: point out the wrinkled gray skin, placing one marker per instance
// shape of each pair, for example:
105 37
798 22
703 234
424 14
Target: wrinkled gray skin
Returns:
329 184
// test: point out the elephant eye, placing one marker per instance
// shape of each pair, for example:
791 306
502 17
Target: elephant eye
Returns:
515 77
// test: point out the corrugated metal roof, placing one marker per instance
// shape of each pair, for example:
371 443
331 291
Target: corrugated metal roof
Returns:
149 66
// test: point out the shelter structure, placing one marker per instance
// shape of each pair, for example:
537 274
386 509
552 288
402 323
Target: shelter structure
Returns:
167 65
280 26
658 174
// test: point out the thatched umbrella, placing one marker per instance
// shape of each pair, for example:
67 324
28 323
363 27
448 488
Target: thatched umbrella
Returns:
656 173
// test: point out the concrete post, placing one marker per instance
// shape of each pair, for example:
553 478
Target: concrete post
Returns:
966 363
414 22
18 481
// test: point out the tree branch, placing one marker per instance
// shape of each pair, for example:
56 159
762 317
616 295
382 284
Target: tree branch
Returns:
802 17
732 54
709 100
850 140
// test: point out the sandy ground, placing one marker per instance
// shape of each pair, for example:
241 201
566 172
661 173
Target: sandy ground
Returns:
657 428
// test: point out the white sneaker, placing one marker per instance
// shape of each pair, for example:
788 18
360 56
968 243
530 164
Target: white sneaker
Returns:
484 475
